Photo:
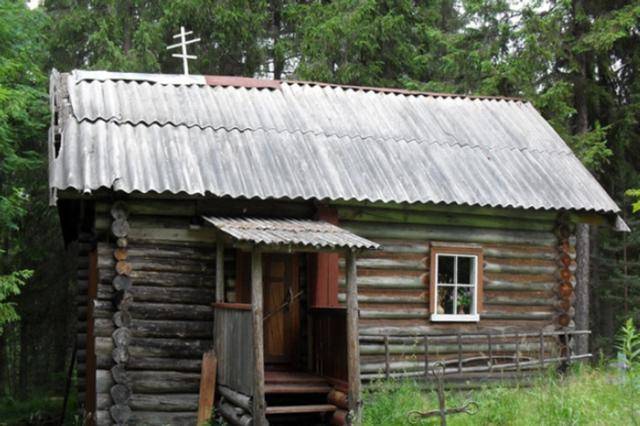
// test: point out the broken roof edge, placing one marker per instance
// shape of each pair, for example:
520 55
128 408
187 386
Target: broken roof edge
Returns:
620 225
260 83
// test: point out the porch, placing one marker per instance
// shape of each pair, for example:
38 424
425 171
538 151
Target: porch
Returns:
278 362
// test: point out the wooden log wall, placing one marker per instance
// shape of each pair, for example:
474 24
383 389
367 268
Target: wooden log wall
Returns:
154 318
121 391
172 259
523 260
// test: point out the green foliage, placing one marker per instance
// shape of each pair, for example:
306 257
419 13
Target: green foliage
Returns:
232 34
23 103
628 343
591 147
613 27
10 286
133 35
635 193
586 397
105 34
23 118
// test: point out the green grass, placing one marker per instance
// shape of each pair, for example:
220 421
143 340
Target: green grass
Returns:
586 396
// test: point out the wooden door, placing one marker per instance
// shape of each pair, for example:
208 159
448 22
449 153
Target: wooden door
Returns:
281 308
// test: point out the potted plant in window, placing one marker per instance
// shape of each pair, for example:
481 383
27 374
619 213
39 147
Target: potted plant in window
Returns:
464 303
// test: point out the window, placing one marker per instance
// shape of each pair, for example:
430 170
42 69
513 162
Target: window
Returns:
456 283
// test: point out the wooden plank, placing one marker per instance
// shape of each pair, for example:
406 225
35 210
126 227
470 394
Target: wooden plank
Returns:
259 404
219 269
233 306
353 346
207 386
450 209
296 388
374 230
234 349
301 409
292 377
329 331
437 218
90 374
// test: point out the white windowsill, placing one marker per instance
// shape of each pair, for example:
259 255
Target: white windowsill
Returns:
454 318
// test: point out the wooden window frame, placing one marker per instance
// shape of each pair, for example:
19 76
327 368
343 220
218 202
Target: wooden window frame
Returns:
455 250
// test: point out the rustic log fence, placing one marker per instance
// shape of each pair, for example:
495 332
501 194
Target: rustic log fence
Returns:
468 354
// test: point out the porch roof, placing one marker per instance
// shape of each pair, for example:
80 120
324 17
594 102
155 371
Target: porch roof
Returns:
287 233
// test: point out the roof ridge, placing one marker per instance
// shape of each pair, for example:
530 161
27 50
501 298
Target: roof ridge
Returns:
407 92
116 121
270 84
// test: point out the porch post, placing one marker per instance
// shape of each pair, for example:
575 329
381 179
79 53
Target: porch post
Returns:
353 343
219 269
259 405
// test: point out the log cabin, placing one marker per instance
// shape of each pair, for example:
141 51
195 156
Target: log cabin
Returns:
316 236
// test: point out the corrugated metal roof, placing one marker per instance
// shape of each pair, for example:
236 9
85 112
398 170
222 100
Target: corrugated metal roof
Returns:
146 132
290 232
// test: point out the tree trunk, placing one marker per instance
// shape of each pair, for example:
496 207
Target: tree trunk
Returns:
127 30
3 363
278 59
582 232
582 287
24 359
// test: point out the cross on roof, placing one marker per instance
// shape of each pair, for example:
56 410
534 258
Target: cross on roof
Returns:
183 43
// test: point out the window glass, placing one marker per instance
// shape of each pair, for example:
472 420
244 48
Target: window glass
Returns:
456 284
446 305
446 265
465 269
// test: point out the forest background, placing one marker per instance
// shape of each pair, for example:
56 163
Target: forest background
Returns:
577 61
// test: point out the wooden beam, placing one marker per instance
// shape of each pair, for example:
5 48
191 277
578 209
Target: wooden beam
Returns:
207 386
219 270
353 345
259 405
90 372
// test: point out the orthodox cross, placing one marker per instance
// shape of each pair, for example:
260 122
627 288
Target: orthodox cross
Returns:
183 44
470 407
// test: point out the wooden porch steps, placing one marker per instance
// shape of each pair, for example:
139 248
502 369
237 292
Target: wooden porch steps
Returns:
301 409
296 388
292 377
295 397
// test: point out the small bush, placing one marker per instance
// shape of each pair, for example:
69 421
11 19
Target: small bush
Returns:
628 343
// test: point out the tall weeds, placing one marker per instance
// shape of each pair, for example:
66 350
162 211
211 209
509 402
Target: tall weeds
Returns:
586 396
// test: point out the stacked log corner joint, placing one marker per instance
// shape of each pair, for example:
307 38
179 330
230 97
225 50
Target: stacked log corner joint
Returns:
339 398
565 231
121 391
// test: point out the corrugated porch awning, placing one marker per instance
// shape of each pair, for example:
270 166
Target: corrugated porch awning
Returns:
289 233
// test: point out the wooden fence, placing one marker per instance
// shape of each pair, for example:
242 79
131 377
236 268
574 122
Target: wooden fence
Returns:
330 342
467 355
234 346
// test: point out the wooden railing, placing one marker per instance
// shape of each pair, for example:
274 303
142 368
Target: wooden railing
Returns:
411 355
329 328
233 334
